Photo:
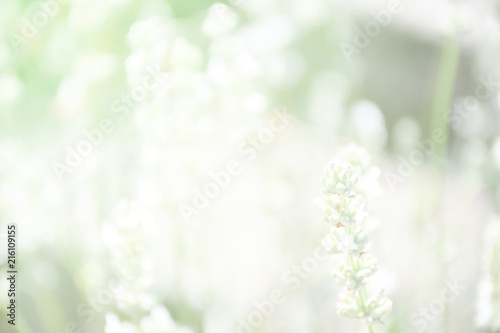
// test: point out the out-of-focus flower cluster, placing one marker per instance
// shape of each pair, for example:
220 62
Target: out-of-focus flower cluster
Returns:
345 211
488 305
125 235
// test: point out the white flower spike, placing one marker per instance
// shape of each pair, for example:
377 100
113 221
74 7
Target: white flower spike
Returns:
345 210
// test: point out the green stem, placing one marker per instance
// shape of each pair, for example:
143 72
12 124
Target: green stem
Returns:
445 86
